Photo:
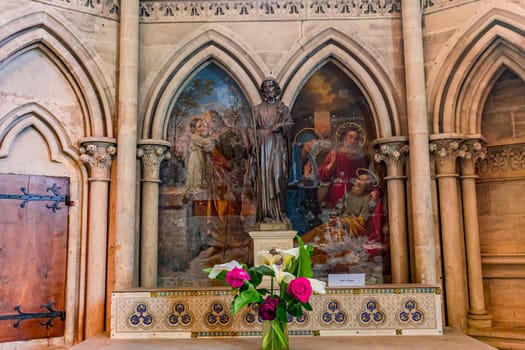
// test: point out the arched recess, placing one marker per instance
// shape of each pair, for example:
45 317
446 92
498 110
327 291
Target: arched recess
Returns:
34 118
50 34
473 62
206 46
358 61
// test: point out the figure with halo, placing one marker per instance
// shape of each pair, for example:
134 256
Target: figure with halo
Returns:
272 125
341 163
302 202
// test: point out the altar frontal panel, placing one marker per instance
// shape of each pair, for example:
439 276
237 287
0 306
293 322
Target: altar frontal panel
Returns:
190 313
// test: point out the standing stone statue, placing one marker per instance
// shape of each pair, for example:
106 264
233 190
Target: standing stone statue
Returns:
272 125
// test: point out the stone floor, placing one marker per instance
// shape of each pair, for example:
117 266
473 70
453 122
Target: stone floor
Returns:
451 339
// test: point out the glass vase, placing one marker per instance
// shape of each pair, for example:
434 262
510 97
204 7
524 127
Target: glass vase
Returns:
275 335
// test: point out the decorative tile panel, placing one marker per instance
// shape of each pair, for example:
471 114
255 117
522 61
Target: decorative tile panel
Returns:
184 313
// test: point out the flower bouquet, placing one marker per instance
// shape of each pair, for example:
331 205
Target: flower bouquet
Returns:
291 286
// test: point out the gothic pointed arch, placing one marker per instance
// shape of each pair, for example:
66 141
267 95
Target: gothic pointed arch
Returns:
34 127
207 46
47 34
475 59
356 59
33 115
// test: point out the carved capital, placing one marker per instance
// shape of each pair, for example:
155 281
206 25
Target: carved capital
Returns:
474 150
446 150
152 153
393 153
97 154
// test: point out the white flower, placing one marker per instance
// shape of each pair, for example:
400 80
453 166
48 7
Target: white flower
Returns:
275 256
223 267
318 287
281 275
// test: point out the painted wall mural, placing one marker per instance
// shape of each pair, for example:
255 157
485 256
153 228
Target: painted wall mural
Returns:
335 198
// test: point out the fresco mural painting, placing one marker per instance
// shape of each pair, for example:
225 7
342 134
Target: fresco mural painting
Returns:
334 195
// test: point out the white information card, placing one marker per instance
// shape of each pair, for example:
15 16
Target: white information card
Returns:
346 280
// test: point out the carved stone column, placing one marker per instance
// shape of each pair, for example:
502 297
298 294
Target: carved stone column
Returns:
97 153
152 153
420 181
446 150
477 315
126 177
392 151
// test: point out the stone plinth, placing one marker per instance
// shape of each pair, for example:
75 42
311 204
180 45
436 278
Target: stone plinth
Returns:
269 239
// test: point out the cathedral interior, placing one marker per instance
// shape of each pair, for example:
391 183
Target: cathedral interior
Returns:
129 152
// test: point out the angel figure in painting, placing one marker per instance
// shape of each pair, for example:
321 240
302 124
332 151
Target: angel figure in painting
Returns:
198 169
272 124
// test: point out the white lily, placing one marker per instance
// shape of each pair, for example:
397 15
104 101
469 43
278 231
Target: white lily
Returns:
269 258
223 267
281 275
274 256
318 287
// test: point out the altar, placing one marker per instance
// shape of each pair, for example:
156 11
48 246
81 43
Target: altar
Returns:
399 310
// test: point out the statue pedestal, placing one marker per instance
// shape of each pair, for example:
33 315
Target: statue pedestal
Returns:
266 240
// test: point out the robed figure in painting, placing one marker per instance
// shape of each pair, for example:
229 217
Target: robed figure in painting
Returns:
272 125
340 166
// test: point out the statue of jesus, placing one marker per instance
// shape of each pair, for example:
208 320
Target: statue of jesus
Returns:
272 124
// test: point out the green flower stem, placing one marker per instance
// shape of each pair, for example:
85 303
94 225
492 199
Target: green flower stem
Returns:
275 335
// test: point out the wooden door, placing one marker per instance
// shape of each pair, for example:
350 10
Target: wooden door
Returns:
33 252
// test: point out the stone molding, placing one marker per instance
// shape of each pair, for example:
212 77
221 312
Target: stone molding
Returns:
152 153
433 5
243 10
246 10
97 153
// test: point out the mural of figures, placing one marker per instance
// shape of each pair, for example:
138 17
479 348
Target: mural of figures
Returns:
335 196
222 180
206 204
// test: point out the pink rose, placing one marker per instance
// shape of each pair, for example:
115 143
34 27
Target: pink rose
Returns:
236 277
268 308
300 288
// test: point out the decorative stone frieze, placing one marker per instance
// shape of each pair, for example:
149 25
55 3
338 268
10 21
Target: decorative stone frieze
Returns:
218 10
440 4
247 10
106 8
503 161
152 153
97 153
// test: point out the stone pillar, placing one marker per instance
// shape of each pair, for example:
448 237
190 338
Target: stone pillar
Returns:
477 316
392 151
152 153
125 201
446 150
96 153
420 181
